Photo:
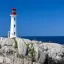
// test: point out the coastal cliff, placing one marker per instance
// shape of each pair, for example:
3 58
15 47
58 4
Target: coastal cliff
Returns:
25 51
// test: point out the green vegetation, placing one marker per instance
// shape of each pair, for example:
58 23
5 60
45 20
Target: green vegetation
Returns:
16 45
31 50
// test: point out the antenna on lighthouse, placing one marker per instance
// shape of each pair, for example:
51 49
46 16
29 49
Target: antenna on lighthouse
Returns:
13 24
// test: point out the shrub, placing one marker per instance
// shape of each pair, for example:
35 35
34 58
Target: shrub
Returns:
30 50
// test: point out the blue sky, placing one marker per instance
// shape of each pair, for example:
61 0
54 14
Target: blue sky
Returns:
34 17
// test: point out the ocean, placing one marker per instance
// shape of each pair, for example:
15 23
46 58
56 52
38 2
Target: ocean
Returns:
52 39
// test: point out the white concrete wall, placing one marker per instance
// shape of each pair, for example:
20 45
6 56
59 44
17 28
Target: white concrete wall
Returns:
12 28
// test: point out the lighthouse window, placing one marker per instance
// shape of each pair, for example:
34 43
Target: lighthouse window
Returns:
14 25
14 33
14 18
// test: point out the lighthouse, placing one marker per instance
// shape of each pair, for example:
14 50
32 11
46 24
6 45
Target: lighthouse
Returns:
12 33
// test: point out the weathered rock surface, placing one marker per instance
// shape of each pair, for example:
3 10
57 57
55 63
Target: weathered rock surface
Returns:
11 55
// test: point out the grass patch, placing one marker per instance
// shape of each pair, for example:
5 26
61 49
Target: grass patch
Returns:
16 45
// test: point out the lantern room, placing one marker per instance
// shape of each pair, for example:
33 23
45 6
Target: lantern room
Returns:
13 11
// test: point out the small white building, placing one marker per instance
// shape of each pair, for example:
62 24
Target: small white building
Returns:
1 38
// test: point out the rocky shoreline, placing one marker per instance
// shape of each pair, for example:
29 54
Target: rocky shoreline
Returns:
25 51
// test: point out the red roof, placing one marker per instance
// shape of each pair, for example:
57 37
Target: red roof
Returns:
13 8
13 13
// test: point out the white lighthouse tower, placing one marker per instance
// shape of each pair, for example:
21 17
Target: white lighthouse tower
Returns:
13 23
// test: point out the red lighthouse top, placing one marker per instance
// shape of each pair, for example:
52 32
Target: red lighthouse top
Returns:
13 11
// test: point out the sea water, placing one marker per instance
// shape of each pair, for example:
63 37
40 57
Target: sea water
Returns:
52 39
